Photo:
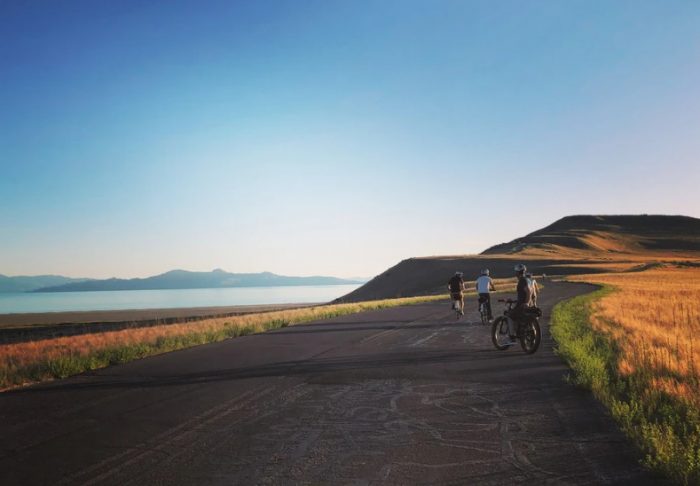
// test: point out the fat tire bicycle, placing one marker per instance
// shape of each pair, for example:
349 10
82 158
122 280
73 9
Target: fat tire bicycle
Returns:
528 330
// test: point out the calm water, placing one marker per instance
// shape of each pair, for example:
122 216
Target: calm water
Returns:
157 299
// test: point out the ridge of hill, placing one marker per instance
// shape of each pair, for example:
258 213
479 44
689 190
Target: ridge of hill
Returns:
571 245
607 234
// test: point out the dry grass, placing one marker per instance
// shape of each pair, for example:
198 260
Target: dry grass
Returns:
28 362
607 267
654 319
635 344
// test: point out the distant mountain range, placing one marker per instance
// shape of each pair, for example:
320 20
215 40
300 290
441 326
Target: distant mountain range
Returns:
29 284
175 279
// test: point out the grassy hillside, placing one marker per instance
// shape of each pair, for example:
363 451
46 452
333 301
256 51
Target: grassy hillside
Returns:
570 246
429 276
609 235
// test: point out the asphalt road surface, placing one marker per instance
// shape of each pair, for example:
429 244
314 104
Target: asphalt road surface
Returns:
408 395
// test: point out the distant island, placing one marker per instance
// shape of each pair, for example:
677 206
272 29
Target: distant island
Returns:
175 279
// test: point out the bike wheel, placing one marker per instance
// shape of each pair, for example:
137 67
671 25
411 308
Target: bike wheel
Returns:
484 314
531 336
499 334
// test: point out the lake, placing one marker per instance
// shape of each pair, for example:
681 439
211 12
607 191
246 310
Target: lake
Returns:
168 299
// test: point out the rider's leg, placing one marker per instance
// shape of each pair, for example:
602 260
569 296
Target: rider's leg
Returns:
515 315
511 327
461 301
488 306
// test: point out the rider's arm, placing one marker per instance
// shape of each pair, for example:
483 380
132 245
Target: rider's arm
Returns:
493 287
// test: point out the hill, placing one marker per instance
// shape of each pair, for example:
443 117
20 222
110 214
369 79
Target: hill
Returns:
183 279
571 245
30 283
608 234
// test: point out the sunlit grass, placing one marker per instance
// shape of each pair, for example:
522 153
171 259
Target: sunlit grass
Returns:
635 344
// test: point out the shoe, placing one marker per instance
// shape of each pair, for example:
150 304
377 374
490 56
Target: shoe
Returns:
461 312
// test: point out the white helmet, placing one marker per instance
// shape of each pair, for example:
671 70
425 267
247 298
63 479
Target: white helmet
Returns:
459 274
520 268
485 271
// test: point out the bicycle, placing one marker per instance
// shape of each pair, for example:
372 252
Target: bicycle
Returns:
483 312
457 306
527 330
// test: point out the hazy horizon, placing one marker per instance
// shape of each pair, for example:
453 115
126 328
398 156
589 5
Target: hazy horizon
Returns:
183 269
333 138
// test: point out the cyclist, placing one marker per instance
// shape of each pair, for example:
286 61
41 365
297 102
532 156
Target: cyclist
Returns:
456 288
484 287
523 302
534 289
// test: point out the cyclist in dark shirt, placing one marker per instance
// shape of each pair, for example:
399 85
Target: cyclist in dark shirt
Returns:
456 287
524 296
523 286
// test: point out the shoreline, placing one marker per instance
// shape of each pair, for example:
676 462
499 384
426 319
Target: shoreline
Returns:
33 319
42 325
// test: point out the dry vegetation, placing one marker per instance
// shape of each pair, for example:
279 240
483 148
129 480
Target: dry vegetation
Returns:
654 318
636 344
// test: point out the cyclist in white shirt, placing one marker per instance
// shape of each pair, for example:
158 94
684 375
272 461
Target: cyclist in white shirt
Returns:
534 289
484 287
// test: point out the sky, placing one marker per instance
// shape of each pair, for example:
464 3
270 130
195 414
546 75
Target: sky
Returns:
333 137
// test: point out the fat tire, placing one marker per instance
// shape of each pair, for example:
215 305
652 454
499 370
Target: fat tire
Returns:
494 332
534 323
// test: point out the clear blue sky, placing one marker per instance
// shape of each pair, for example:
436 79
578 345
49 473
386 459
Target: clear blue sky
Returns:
333 137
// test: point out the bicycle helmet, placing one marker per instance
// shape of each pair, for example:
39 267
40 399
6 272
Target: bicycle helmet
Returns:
485 271
520 268
459 274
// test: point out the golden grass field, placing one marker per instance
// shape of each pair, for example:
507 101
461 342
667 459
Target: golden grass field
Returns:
636 345
654 319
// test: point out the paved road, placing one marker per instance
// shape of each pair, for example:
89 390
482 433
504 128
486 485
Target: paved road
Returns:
399 396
